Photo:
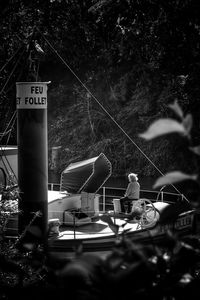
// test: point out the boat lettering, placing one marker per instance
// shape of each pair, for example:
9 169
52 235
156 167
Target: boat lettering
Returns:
166 227
179 224
183 222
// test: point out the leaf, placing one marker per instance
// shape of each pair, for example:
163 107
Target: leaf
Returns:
126 230
186 279
163 126
9 265
79 250
187 123
114 228
171 212
173 177
36 231
29 246
177 109
196 149
107 219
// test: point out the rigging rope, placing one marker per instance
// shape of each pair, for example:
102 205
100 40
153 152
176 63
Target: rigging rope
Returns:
14 116
12 121
3 67
22 53
4 133
102 107
89 115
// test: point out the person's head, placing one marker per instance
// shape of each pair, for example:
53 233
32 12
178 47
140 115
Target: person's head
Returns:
132 177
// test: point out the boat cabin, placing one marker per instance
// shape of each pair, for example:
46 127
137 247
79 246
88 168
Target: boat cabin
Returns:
77 202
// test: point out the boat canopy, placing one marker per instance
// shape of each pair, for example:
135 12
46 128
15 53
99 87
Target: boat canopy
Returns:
87 175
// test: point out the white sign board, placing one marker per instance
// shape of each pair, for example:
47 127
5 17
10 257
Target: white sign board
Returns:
31 95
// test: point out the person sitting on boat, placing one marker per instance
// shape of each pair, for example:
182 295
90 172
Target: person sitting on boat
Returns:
132 192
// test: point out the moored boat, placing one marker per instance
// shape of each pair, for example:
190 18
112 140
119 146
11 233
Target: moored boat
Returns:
76 208
99 236
80 191
80 215
83 220
98 230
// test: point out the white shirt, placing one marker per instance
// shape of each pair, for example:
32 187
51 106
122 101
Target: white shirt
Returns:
133 190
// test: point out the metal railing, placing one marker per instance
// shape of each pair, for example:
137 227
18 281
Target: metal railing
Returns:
107 194
54 186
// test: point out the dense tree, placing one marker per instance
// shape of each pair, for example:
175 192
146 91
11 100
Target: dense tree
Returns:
134 57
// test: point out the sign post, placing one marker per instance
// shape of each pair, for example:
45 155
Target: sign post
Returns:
31 99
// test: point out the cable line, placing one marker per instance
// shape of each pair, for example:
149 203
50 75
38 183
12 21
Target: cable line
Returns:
3 67
2 134
3 156
13 70
14 116
102 107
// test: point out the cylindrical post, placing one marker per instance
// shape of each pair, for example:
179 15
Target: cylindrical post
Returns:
31 98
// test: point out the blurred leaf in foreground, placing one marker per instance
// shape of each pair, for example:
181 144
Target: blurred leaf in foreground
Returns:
177 109
173 177
35 230
163 126
187 123
196 150
171 212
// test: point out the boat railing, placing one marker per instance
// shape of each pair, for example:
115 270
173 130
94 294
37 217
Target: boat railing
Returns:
107 194
54 186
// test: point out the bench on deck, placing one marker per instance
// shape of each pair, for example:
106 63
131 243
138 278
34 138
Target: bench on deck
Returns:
117 205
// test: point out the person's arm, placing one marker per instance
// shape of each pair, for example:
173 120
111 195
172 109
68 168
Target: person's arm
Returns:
128 190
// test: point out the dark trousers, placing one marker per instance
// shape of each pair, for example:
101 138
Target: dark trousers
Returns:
128 201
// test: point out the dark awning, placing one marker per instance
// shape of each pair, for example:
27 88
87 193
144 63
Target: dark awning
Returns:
87 175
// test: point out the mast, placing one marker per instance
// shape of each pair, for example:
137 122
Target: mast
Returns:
31 98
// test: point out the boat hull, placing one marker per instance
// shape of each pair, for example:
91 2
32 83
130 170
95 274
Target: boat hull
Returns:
66 246
98 236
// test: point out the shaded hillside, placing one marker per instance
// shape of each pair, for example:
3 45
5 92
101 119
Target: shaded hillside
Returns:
135 57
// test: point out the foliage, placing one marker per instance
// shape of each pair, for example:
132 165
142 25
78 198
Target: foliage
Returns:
157 271
8 205
160 270
134 56
166 126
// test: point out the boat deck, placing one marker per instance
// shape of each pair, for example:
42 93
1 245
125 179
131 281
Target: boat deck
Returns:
95 237
96 229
